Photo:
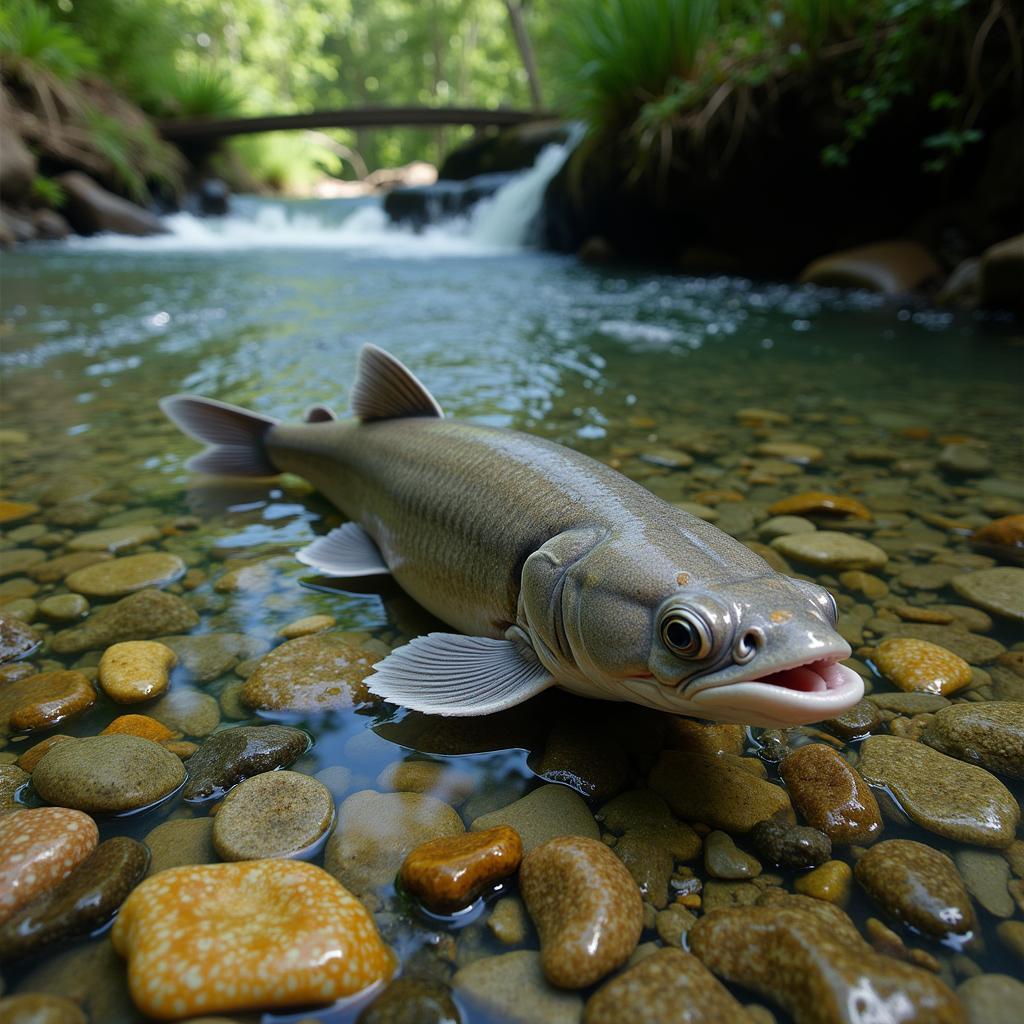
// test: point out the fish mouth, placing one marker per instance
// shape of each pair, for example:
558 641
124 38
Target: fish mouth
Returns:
796 694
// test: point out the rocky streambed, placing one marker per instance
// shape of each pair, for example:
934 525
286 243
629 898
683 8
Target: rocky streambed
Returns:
206 813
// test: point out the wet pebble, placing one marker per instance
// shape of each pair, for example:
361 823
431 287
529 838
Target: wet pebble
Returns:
276 814
448 874
107 774
586 907
964 460
986 875
830 881
13 780
179 842
83 901
795 847
667 987
830 795
376 831
139 725
43 700
440 780
584 757
210 655
122 576
918 886
16 561
139 616
992 999
723 859
38 848
812 963
705 737
306 626
820 503
908 703
187 711
62 566
860 582
512 988
116 538
988 733
921 667
648 858
135 670
859 721
784 526
545 813
228 757
828 549
999 590
313 673
17 640
717 792
254 935
40 1008
508 921
412 1000
939 793
63 607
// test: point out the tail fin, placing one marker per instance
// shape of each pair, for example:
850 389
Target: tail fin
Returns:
234 435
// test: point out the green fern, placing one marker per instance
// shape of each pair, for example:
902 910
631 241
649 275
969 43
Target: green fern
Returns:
31 41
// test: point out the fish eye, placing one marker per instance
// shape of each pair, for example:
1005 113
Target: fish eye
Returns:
686 635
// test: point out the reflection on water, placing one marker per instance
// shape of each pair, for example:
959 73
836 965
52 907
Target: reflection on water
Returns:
618 364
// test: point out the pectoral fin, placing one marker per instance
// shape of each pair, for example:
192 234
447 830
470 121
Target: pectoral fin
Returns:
346 551
448 674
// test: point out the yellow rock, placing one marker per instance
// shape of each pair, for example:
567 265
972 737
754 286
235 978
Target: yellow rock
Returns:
122 576
829 881
306 626
12 511
921 667
136 670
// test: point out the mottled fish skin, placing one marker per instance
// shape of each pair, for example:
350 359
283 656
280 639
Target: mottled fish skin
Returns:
558 569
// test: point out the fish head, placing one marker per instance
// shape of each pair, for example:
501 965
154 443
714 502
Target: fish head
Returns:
760 649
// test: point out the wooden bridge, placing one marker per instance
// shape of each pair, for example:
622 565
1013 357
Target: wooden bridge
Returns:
211 129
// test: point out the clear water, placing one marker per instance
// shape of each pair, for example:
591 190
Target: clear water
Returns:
268 310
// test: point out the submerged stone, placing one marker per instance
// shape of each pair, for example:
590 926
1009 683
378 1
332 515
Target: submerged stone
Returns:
228 757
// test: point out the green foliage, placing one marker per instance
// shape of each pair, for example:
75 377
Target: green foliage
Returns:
137 154
33 43
46 192
200 92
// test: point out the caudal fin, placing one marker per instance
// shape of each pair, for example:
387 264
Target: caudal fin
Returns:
234 435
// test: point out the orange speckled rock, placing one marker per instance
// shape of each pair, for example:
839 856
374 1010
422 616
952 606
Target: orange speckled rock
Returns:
31 757
447 874
586 907
39 847
136 670
43 700
920 666
139 725
821 504
256 935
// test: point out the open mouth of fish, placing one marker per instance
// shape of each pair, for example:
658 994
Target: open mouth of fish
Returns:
793 695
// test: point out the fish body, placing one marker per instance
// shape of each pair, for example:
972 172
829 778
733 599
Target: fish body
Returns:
554 568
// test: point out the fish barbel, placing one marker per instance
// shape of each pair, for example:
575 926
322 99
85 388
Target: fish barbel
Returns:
554 568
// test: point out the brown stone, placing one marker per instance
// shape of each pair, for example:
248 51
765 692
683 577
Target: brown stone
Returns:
450 873
43 700
819 503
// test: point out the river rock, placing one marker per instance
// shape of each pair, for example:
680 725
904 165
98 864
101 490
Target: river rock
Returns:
512 988
123 576
412 1000
114 539
135 670
16 561
939 793
723 859
86 899
40 1008
964 460
13 780
322 672
508 921
228 757
830 881
909 703
586 758
586 907
919 886
783 526
986 875
139 616
830 795
306 626
544 814
107 774
440 780
921 667
819 503
717 792
1003 538
667 987
276 814
992 999
139 725
64 607
999 590
448 874
63 566
42 700
988 733
704 737
17 640
811 961
637 808
91 209
179 842
828 549
377 831
795 847
210 655
889 267
255 935
38 848
859 721
648 858
187 711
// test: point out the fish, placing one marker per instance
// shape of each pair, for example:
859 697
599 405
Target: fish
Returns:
550 567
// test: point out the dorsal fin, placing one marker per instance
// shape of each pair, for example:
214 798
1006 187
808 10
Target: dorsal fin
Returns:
387 390
319 414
